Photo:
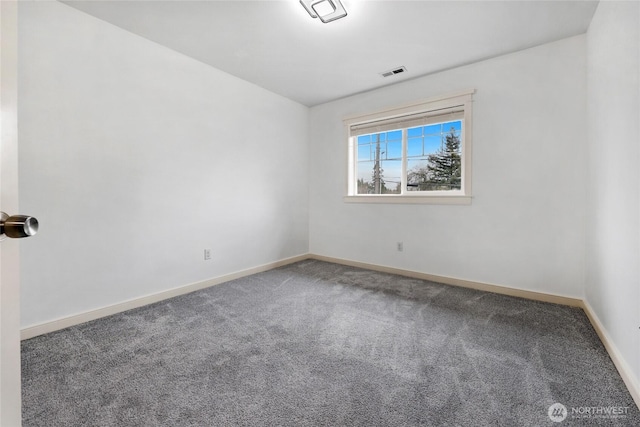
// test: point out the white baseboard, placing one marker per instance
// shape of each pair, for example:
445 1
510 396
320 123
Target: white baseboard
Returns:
623 368
497 289
65 322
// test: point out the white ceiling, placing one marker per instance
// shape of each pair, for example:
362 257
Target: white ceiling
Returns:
278 46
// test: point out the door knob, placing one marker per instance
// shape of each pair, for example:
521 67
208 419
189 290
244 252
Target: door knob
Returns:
17 226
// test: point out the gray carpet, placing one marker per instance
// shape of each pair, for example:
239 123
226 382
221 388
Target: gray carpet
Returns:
319 344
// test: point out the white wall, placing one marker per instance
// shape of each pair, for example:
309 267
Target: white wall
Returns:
613 225
525 227
135 158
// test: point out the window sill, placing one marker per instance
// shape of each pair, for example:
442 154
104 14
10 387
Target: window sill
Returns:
397 199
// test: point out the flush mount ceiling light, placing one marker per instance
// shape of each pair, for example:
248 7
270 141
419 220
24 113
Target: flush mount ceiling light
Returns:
326 10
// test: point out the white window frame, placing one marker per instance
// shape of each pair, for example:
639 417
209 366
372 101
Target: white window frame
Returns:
464 100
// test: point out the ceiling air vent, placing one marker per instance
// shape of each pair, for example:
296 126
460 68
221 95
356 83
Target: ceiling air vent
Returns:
394 72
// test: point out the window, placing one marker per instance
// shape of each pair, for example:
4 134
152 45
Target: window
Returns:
419 153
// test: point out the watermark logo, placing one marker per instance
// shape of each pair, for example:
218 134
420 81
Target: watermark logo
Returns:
557 412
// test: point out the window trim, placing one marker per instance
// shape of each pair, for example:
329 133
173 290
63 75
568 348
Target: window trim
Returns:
458 197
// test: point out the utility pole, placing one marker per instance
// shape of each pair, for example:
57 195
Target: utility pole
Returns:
376 167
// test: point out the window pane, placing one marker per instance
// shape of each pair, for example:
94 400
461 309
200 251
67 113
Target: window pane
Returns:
415 131
433 129
379 166
364 139
414 147
364 153
394 150
379 177
394 135
417 174
457 125
440 166
363 174
432 143
390 181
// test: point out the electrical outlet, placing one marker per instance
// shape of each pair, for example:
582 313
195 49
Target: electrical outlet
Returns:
400 246
207 254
